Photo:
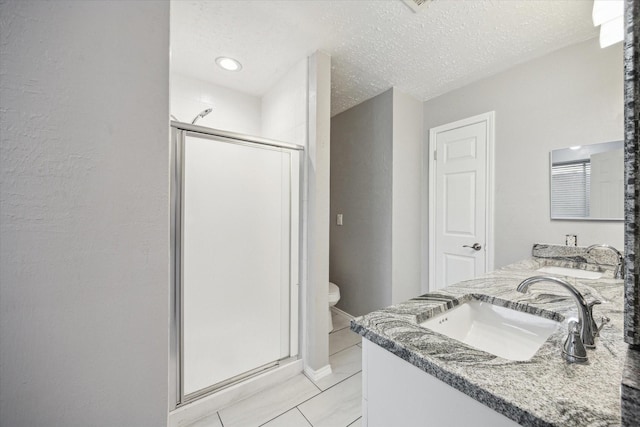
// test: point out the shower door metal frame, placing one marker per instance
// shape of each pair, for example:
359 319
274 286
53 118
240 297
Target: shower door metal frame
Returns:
179 131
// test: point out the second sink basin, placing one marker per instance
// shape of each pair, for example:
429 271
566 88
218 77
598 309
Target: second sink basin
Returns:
570 272
503 332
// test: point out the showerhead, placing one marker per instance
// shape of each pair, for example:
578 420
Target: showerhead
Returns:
202 114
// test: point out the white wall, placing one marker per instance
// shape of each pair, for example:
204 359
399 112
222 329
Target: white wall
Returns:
297 110
84 101
570 97
406 196
316 207
284 107
232 110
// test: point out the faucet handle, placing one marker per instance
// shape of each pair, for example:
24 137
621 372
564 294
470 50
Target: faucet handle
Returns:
573 350
604 321
590 308
591 321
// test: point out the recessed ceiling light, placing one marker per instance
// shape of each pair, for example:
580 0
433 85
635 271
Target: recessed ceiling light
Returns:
228 64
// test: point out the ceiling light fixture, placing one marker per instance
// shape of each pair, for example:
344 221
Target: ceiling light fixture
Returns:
228 64
608 14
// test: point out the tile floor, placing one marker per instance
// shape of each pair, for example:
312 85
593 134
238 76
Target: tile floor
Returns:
333 401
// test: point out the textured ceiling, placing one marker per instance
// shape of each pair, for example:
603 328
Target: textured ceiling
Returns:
374 45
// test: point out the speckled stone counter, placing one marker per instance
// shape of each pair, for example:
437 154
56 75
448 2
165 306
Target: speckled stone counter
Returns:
631 388
544 391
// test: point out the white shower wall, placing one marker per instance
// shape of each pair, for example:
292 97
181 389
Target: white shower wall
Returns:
280 113
284 107
232 110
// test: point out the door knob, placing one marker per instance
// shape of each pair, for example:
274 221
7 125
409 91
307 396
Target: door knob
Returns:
475 246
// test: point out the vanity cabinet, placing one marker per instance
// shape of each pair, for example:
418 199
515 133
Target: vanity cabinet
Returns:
396 393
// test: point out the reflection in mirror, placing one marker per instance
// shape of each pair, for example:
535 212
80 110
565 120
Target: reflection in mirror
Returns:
587 182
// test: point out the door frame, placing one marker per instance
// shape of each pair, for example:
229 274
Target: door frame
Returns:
489 118
179 132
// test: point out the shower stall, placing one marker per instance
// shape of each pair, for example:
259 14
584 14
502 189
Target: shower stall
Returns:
235 258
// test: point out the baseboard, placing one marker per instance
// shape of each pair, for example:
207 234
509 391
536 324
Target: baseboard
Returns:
344 313
315 375
209 405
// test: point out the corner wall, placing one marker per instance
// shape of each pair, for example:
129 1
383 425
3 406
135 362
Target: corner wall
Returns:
84 252
297 110
376 166
407 202
570 97
361 190
315 298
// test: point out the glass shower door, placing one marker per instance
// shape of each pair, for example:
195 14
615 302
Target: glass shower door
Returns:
235 262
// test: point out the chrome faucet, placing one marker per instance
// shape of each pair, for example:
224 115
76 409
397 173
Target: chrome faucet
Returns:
588 328
619 271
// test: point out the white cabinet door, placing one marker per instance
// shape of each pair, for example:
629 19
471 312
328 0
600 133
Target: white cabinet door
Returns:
396 393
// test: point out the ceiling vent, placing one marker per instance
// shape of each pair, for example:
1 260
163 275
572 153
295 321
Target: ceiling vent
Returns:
417 5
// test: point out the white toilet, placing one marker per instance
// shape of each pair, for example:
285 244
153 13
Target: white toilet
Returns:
334 297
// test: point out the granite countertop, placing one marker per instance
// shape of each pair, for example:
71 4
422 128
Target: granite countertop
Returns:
543 391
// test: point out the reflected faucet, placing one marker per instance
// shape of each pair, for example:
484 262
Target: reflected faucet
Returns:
619 272
588 328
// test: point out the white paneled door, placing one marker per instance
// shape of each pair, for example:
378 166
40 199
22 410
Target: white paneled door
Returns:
460 200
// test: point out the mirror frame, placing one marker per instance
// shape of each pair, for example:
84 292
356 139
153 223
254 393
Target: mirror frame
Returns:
631 160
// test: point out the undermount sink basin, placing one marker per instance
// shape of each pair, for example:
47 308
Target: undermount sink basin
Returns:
571 272
503 332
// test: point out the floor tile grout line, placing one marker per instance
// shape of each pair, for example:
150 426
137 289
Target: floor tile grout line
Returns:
348 325
286 410
333 354
290 409
320 391
279 415
304 416
337 330
344 349
341 381
351 423
313 382
354 421
346 378
344 316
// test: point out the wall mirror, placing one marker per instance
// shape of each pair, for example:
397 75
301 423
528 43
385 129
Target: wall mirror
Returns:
587 182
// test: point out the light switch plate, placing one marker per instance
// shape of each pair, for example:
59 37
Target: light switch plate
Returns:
571 240
339 219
